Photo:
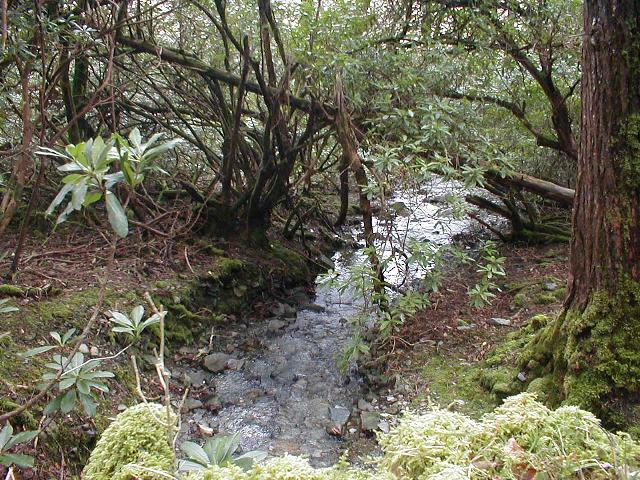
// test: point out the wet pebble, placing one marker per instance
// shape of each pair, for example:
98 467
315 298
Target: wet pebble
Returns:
216 362
191 404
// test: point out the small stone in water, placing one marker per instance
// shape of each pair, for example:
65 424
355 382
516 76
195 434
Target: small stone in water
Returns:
275 325
364 405
234 364
205 430
191 404
216 362
384 426
339 415
369 421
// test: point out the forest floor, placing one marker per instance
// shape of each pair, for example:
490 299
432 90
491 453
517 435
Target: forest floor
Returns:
437 358
440 352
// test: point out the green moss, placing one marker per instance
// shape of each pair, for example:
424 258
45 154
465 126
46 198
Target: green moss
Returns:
544 298
520 299
25 419
592 355
8 290
560 294
292 266
500 381
223 268
449 382
138 436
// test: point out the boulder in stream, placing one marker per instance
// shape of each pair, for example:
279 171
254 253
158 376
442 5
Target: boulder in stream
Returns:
216 362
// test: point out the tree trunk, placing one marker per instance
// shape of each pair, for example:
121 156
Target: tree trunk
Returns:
591 349
13 195
347 140
344 191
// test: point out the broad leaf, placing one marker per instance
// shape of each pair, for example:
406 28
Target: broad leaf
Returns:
5 435
68 401
36 351
117 215
59 197
19 460
195 453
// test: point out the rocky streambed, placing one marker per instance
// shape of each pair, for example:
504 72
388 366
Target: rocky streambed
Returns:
277 381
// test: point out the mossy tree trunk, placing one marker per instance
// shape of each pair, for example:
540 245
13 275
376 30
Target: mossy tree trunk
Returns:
592 350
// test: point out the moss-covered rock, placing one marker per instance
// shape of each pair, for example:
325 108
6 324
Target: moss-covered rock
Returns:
133 446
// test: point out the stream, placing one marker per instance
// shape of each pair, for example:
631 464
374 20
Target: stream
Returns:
277 382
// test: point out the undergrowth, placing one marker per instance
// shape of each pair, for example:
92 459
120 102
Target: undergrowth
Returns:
521 439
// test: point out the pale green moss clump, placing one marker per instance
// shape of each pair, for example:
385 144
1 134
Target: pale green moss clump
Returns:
521 436
134 446
520 439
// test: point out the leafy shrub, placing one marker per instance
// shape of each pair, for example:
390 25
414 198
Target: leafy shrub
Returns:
218 450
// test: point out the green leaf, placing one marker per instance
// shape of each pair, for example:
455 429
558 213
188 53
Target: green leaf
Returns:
135 138
127 171
36 351
160 149
68 334
59 198
117 215
68 401
190 466
19 460
71 167
73 178
53 406
136 314
66 383
79 192
195 453
50 152
83 387
90 407
5 435
91 198
8 309
123 330
22 437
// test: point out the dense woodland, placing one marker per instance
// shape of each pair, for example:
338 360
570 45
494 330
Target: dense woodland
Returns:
179 179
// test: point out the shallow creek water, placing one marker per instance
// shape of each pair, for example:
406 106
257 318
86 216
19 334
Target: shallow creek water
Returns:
285 394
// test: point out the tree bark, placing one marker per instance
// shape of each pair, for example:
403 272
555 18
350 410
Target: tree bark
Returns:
344 191
591 350
11 199
347 140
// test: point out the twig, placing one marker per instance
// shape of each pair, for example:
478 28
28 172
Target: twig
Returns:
186 259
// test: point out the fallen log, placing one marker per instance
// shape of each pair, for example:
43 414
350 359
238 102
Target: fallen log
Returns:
543 188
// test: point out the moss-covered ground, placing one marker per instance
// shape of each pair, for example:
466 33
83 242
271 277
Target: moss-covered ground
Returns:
456 356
